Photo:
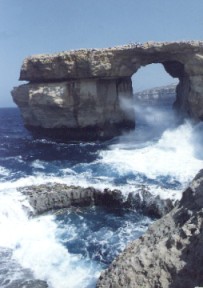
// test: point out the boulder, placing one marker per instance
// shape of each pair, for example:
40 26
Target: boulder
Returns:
170 254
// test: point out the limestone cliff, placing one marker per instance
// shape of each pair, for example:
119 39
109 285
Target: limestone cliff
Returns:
170 254
76 94
75 110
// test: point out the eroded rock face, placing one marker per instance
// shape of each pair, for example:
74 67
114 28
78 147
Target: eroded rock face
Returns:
75 92
83 109
51 196
170 254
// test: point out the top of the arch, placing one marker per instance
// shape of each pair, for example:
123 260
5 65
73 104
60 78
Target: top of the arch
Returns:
120 61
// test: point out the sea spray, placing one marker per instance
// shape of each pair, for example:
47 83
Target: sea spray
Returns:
48 246
171 157
164 159
35 245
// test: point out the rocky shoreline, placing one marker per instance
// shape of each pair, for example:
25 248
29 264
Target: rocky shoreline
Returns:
168 255
52 196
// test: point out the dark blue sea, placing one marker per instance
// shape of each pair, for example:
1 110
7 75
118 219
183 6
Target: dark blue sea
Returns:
69 248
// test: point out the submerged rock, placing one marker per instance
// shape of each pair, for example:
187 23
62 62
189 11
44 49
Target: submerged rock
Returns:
51 196
170 254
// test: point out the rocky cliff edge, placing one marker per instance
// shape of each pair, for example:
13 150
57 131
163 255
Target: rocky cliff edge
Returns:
170 254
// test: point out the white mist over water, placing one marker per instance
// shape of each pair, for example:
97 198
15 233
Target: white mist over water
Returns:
159 147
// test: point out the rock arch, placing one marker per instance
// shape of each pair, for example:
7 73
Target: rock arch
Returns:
176 70
75 94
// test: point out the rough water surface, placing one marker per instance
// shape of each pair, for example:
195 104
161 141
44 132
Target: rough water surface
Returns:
69 248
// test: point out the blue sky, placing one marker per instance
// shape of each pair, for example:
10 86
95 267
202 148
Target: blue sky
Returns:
44 26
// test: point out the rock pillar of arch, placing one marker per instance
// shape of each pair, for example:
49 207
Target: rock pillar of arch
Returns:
85 94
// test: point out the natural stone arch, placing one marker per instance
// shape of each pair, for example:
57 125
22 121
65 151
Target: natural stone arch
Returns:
168 71
152 76
76 93
176 70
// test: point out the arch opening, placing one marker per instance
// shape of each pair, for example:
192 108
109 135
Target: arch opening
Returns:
155 76
154 95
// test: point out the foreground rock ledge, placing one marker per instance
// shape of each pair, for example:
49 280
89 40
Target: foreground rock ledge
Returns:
52 196
170 254
85 94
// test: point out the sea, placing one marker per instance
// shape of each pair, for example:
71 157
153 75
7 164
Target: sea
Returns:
69 248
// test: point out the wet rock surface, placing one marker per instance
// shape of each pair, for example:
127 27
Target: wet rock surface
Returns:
52 196
170 254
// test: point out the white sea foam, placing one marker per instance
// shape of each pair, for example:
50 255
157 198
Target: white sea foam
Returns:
173 155
68 177
176 154
35 242
4 171
35 245
38 164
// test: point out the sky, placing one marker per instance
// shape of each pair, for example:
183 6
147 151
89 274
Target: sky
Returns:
30 27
